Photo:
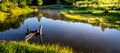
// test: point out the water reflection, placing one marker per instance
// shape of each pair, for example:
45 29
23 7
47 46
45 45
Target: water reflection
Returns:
14 21
102 27
55 15
38 34
82 36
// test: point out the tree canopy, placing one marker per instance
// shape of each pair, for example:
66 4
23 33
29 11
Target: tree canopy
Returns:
23 3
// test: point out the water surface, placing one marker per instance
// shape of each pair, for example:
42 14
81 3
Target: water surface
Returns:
82 37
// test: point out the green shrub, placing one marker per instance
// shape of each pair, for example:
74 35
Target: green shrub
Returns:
22 4
3 7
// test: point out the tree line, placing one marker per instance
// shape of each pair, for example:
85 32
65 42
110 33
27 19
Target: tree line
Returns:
23 3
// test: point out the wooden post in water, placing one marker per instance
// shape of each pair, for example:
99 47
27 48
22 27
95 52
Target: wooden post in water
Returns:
40 33
32 33
28 31
40 30
41 38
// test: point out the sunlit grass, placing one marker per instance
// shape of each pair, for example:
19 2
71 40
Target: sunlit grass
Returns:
18 11
11 8
95 20
24 47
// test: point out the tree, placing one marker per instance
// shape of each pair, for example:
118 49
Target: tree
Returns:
39 2
29 2
72 1
119 2
58 2
22 3
13 1
3 1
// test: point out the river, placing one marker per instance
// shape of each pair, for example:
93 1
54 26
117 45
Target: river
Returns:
80 36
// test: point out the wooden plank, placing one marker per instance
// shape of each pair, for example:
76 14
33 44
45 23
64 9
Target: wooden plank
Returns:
29 36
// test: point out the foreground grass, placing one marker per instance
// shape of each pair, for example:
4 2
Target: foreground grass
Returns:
23 47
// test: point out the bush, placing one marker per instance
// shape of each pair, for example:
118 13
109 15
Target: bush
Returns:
39 2
3 7
23 4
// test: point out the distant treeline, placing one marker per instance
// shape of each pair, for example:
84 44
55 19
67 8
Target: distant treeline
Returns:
37 2
55 2
23 3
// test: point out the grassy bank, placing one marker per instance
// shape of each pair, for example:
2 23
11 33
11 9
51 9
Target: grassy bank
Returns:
15 12
104 21
11 8
23 47
19 11
96 11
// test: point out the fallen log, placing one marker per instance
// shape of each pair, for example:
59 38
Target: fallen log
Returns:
29 36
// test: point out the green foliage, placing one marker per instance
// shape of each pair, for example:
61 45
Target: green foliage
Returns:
33 7
19 11
22 3
29 2
8 20
3 7
71 1
98 3
3 16
23 47
95 18
14 1
58 2
3 1
6 6
39 2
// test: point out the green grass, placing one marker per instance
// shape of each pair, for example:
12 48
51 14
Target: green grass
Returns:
15 12
106 21
94 11
24 47
11 8
19 11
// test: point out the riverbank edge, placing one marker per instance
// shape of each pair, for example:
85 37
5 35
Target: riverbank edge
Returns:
16 11
94 21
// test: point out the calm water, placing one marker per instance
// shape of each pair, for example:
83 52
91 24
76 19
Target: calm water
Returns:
80 36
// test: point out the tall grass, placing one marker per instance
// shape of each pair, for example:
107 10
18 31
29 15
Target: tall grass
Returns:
24 47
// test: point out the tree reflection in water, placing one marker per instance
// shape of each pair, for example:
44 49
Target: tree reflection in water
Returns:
38 33
14 21
109 22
